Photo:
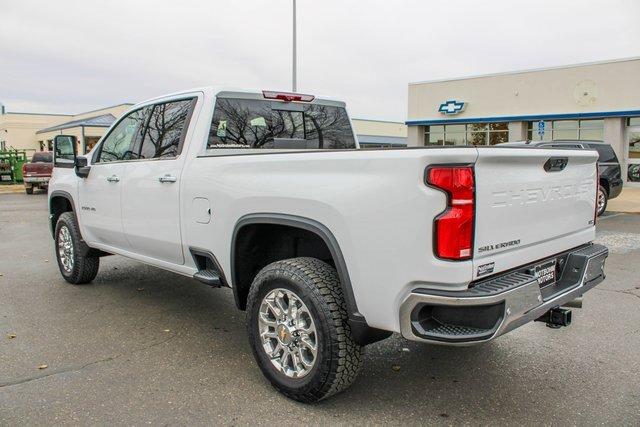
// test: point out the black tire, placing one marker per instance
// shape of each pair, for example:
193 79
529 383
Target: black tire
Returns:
339 358
602 206
84 268
28 190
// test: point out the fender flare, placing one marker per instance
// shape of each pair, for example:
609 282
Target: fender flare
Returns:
85 249
64 195
362 332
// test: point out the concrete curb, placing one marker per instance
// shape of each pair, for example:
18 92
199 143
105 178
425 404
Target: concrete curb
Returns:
11 189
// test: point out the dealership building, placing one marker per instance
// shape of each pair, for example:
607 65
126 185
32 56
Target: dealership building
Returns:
594 101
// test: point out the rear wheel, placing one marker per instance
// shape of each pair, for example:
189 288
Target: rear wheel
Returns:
28 190
298 330
603 197
75 267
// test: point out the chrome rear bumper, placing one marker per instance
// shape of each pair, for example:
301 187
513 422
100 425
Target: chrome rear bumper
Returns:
499 304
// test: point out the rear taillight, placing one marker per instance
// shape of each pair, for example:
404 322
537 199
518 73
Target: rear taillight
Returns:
453 228
287 96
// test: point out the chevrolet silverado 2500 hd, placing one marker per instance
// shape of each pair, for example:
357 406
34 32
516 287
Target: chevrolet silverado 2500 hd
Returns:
326 246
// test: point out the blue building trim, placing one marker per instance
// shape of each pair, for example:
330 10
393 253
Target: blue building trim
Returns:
533 117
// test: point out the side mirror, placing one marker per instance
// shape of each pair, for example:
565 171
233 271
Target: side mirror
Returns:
64 151
82 170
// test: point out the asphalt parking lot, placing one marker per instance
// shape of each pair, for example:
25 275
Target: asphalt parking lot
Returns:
141 345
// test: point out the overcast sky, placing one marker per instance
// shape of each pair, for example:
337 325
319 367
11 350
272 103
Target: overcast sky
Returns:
71 56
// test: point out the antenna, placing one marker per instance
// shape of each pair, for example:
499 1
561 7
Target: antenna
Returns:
294 83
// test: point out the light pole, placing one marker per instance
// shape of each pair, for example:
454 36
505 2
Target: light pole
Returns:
294 76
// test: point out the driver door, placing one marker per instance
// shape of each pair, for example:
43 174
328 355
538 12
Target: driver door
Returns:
100 193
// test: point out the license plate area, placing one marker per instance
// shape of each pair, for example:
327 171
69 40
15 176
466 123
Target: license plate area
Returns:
545 273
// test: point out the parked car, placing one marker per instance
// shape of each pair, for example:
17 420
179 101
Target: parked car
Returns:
328 247
37 173
633 174
608 164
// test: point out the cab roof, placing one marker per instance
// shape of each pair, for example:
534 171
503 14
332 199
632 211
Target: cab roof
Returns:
233 92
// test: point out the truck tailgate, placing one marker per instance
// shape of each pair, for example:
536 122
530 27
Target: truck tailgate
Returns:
38 169
526 211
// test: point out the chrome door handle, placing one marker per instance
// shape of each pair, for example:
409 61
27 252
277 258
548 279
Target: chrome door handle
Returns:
167 178
113 178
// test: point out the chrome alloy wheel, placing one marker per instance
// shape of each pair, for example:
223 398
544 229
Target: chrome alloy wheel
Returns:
288 333
602 199
65 249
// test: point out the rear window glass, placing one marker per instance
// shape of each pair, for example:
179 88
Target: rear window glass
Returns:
42 157
605 152
252 123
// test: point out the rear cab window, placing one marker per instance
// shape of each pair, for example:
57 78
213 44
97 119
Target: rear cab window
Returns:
264 124
42 157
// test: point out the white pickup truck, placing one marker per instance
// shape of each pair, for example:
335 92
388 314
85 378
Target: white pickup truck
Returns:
329 247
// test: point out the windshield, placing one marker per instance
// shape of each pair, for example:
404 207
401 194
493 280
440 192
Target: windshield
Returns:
252 123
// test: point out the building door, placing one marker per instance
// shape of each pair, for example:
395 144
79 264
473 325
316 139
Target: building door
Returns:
633 155
91 141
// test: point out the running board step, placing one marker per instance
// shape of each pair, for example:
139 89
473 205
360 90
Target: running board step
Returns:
208 277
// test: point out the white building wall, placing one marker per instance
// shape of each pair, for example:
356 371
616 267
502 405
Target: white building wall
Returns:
604 90
607 86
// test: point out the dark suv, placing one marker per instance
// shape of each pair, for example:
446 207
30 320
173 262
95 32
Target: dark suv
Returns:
608 165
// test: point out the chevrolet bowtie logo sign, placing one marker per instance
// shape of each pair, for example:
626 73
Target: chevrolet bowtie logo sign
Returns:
451 107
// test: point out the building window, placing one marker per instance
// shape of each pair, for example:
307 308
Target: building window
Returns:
467 134
633 136
568 129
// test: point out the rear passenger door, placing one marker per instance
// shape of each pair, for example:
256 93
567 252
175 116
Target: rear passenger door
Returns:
151 191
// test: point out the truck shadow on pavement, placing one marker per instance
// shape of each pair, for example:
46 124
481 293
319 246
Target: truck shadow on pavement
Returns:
203 326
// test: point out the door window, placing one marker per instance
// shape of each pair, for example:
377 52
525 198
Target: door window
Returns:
119 144
166 129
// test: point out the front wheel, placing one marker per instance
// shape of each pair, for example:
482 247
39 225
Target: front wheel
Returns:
75 266
603 197
298 330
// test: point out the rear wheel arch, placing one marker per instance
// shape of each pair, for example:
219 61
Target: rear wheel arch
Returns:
244 268
245 244
250 227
